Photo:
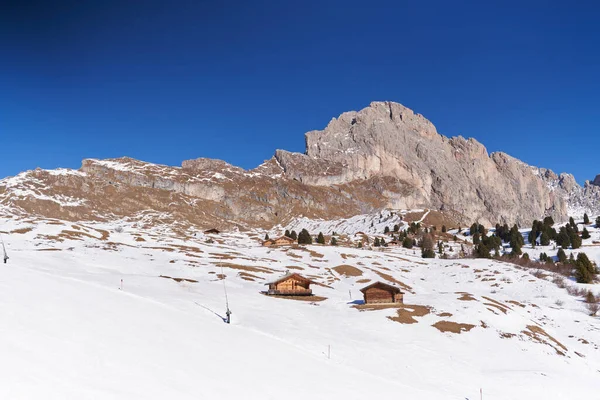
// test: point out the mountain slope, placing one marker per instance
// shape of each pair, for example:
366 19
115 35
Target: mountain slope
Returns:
70 332
384 156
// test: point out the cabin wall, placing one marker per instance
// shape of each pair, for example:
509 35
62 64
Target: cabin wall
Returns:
378 295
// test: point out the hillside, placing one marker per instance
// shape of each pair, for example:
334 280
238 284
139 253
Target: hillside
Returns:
384 156
467 324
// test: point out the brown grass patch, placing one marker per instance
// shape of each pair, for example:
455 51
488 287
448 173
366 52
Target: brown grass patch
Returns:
444 314
346 256
140 239
22 230
298 298
76 235
314 254
169 249
466 296
516 303
494 303
49 249
249 277
347 270
539 335
245 268
407 312
179 279
363 281
454 327
295 268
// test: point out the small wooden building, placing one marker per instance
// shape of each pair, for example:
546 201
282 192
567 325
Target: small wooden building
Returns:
379 292
280 241
212 230
291 284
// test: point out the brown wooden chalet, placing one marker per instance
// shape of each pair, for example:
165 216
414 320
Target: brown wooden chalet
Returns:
291 284
379 292
280 241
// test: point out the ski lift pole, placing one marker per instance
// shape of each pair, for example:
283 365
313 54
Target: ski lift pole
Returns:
228 311
4 250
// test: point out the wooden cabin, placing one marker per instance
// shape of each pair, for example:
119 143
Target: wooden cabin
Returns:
212 230
280 241
382 293
290 285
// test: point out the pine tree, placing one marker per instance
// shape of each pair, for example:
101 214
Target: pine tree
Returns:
585 234
304 237
544 239
407 243
333 241
440 248
444 229
382 242
597 222
427 247
287 233
476 239
359 245
376 243
586 219
571 221
266 236
562 256
482 251
396 228
321 238
386 230
294 235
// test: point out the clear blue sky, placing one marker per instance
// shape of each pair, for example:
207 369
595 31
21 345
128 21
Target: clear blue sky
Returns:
165 81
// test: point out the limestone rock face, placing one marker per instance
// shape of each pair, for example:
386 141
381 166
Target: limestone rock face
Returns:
384 156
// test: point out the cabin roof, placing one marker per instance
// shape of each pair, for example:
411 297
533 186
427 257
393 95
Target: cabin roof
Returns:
290 275
382 285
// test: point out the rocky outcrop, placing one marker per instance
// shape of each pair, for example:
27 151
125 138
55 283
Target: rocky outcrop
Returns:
384 156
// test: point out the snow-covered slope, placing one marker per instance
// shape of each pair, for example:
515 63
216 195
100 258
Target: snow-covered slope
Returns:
69 332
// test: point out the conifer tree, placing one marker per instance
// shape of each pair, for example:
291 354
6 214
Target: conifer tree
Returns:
585 234
294 235
321 238
586 219
386 230
407 243
287 233
444 229
304 237
333 241
562 256
266 236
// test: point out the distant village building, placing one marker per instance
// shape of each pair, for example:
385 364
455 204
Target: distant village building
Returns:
280 241
212 230
291 284
379 292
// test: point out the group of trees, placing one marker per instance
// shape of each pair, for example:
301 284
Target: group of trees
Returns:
305 237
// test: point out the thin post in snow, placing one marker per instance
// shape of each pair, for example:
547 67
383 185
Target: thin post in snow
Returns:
329 352
480 393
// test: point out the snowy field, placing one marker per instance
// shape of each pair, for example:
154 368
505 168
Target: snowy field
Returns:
70 332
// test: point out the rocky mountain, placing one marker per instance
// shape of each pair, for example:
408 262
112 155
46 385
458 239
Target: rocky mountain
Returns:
384 156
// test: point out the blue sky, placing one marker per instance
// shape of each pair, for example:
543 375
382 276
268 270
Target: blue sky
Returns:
169 81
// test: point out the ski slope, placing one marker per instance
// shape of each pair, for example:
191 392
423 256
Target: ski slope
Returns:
70 332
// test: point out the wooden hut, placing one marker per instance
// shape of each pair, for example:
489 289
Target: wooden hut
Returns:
291 284
379 292
280 241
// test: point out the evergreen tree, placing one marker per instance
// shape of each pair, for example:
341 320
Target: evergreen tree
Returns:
548 221
544 239
582 273
571 221
516 250
444 229
575 241
563 239
376 243
585 234
440 248
333 241
525 256
427 247
386 230
382 242
396 228
321 238
586 219
294 235
474 229
476 238
266 236
597 222
562 256
359 245
304 237
482 251
287 233
407 243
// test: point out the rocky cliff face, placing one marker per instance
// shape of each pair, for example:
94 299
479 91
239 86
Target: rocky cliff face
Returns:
384 156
